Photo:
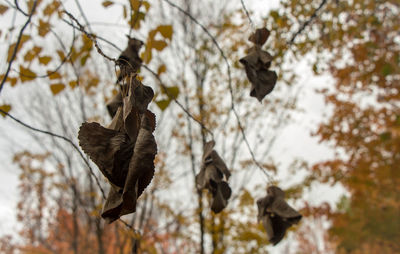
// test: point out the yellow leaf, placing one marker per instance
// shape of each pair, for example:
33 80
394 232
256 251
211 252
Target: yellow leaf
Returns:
37 50
146 5
53 75
3 8
166 31
57 88
24 38
51 8
61 54
146 55
13 81
135 4
44 60
73 84
29 56
6 108
161 69
44 28
159 45
107 3
26 74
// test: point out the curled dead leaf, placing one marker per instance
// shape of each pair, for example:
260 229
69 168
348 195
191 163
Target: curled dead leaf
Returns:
257 64
125 151
275 214
129 60
213 176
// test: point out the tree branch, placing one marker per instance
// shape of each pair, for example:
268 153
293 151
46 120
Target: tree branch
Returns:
14 54
63 138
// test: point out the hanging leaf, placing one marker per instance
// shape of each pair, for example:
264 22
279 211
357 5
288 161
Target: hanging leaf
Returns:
107 3
6 108
159 45
213 176
256 64
166 31
125 151
57 88
26 74
129 60
260 36
44 60
276 215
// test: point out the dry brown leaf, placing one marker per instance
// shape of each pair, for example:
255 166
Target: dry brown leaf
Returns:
125 151
129 60
275 214
213 176
260 36
256 64
103 147
140 174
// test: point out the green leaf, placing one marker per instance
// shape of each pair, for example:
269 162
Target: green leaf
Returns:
385 136
386 69
172 92
163 104
6 108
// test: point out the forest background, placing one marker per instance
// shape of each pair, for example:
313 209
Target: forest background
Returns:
328 134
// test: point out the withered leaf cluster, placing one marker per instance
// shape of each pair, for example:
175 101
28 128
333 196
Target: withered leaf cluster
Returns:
125 150
275 214
213 176
257 63
129 61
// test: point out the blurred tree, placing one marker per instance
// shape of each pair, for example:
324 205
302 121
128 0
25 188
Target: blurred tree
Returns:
358 44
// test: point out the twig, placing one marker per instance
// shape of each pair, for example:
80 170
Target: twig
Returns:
177 102
65 139
248 15
91 36
14 54
305 24
19 9
270 179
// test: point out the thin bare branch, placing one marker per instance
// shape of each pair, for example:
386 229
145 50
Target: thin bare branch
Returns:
63 138
14 54
213 39
305 24
248 15
177 102
91 36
